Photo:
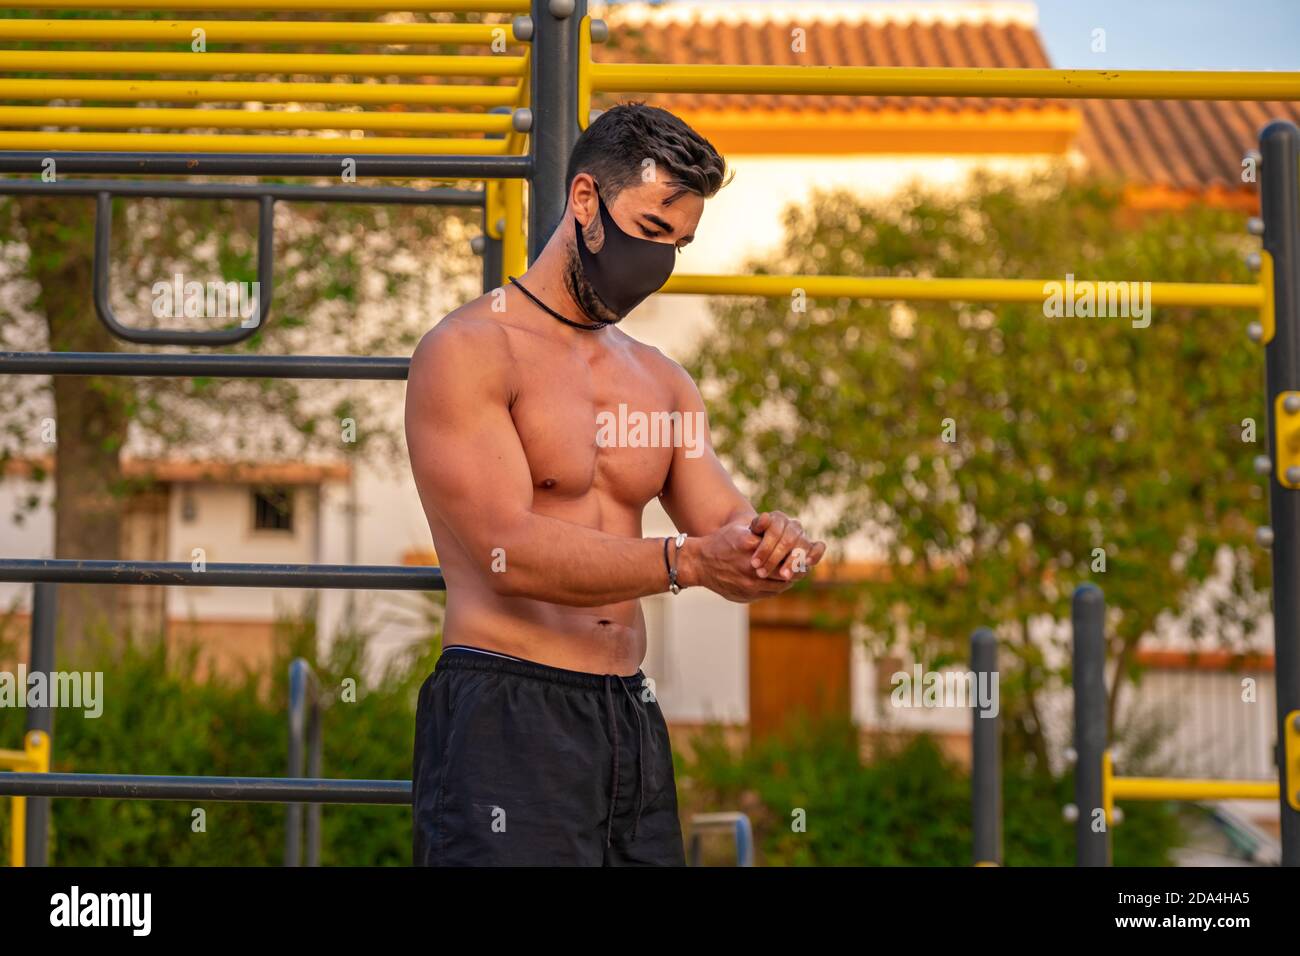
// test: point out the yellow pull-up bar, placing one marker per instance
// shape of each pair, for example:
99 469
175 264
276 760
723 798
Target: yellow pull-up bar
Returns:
242 31
945 81
1207 294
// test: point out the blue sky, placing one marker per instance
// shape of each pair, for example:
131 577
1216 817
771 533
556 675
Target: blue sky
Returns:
1166 34
1173 34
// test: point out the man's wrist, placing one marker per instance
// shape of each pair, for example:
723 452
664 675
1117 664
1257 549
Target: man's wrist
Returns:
685 561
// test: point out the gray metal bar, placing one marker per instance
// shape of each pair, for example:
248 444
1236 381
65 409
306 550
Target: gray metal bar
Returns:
555 115
351 367
120 786
297 719
41 718
986 755
269 164
370 195
1088 619
210 337
491 248
180 573
492 257
314 745
304 741
1279 146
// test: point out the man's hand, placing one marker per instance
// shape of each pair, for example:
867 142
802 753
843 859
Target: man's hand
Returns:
721 563
784 554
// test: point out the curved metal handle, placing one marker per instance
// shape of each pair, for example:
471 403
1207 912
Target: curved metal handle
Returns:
246 329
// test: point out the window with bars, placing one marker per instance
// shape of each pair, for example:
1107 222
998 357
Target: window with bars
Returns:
273 509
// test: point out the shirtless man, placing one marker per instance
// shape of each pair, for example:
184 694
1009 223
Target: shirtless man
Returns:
538 740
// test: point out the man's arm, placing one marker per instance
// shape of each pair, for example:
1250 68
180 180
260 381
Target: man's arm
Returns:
699 495
701 498
471 473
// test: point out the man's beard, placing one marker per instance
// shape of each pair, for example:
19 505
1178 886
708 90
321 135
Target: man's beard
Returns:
580 290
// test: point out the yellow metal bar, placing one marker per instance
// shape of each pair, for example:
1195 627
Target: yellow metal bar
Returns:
584 73
1107 787
241 31
219 143
1267 322
110 118
1286 439
377 6
494 210
183 91
945 81
1158 788
1291 754
514 237
348 64
33 758
942 290
18 832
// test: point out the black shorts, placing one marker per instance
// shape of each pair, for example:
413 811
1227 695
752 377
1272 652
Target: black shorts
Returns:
521 764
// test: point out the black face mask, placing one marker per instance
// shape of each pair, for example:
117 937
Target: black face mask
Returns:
627 268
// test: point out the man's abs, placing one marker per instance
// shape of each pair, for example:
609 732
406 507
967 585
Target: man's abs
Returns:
600 640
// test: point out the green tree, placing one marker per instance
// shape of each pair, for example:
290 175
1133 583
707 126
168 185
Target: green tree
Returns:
1069 439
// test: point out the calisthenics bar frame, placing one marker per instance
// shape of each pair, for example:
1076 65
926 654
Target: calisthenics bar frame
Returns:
560 104
1097 787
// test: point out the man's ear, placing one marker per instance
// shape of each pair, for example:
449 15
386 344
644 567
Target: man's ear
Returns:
582 197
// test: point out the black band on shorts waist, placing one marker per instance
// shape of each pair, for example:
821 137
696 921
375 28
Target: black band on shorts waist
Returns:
533 671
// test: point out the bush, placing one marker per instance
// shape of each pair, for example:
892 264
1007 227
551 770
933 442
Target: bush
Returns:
161 717
904 804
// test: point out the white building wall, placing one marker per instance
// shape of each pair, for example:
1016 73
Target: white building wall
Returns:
32 538
222 531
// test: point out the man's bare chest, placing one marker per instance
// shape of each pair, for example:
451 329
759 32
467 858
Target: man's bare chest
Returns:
602 425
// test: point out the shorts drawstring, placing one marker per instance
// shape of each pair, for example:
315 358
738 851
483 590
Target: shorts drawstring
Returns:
613 800
640 757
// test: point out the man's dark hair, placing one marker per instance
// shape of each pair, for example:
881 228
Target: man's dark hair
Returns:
614 148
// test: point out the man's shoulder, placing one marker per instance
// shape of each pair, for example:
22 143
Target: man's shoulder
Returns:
472 326
466 341
660 365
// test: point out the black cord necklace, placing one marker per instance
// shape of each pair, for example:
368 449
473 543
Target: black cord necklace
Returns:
594 327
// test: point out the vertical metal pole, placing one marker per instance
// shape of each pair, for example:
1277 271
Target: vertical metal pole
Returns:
555 113
491 255
986 754
1279 147
40 658
297 719
1091 831
314 771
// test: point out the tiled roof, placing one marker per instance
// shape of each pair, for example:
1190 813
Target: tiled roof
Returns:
1187 146
837 34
